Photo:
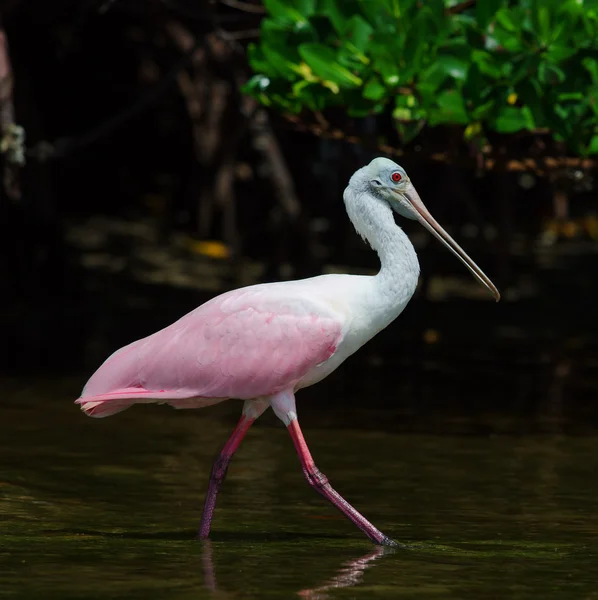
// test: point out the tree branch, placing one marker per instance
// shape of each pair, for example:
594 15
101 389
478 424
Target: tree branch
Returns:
12 135
245 6
459 8
540 166
64 146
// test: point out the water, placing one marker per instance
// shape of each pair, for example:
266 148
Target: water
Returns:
107 509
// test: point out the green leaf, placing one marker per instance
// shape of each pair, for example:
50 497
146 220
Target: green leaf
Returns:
374 90
558 53
512 119
381 14
574 96
453 66
285 67
312 95
533 94
406 108
350 57
276 36
297 11
384 64
432 78
481 111
257 60
473 130
451 109
477 87
355 44
506 20
299 86
339 12
358 32
541 18
421 28
525 68
285 103
506 33
550 74
593 145
402 113
485 11
436 8
591 64
306 7
323 61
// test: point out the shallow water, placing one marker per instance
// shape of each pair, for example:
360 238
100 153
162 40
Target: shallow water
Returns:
108 508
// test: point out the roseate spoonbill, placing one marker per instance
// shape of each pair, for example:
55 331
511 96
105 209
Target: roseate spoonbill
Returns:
263 343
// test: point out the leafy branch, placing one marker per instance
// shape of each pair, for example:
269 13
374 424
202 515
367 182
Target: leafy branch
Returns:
491 67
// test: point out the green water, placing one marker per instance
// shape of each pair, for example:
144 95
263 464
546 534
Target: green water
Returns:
108 508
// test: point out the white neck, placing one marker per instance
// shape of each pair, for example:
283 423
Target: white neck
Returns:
373 219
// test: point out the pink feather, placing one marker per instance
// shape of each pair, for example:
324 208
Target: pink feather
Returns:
244 344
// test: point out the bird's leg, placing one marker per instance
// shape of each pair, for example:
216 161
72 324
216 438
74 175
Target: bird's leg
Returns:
251 411
284 407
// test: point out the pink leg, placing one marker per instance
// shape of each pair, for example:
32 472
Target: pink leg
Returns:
252 410
284 407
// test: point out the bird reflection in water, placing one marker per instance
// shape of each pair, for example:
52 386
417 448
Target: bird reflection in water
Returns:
349 574
207 561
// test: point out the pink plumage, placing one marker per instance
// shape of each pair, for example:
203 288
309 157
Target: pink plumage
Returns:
247 343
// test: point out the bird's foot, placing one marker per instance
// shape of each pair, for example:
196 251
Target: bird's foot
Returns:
390 543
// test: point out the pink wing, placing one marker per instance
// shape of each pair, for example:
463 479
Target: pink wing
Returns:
243 344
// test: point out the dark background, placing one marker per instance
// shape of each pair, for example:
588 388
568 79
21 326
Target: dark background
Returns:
141 146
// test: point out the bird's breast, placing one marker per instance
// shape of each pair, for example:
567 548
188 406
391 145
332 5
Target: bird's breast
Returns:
364 310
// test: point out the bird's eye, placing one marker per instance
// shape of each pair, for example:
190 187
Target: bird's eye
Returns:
396 177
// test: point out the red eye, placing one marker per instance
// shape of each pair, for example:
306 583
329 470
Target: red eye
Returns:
396 177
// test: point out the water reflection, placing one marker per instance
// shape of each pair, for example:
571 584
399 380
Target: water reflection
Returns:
349 575
209 574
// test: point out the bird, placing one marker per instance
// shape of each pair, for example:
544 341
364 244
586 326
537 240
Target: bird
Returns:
263 343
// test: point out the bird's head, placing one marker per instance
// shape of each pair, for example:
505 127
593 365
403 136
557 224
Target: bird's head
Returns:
389 182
